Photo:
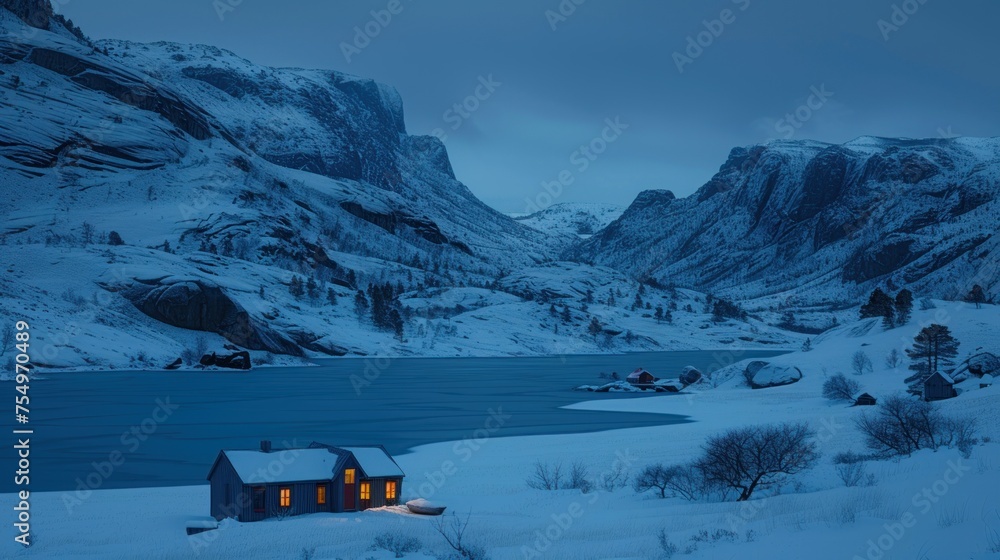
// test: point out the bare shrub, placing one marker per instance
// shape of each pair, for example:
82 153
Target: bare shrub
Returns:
546 477
615 478
893 359
452 529
847 457
761 456
852 474
861 363
902 425
397 544
579 478
839 388
667 547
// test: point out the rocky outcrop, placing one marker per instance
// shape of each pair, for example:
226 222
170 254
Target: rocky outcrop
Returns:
761 375
237 360
198 306
36 13
690 375
980 364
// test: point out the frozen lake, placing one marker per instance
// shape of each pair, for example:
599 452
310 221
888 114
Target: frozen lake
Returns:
85 418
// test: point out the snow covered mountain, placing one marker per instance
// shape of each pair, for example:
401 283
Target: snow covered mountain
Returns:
575 220
800 223
161 200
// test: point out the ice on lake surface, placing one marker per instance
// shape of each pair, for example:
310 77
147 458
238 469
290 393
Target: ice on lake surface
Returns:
84 418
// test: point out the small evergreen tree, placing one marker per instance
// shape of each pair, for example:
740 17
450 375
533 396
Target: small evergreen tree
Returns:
933 350
115 239
360 304
807 345
977 296
904 306
331 296
595 327
565 315
396 322
879 305
658 315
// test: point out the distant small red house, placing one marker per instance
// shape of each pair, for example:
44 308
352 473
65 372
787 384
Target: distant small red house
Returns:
641 378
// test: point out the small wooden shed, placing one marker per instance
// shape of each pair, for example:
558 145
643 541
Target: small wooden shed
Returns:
864 399
939 386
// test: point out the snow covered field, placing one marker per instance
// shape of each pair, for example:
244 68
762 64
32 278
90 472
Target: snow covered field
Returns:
933 505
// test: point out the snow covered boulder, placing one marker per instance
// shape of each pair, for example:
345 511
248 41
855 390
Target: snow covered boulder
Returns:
978 365
690 376
761 375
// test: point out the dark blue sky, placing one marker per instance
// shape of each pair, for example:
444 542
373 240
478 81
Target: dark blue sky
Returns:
831 65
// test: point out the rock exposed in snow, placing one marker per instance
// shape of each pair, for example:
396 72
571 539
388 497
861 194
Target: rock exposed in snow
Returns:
690 375
201 307
762 375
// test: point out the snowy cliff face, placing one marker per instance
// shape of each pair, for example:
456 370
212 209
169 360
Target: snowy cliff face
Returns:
816 224
224 180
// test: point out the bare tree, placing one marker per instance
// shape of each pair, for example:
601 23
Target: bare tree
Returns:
546 477
861 363
615 478
453 531
839 388
893 360
902 425
653 477
753 457
579 478
682 481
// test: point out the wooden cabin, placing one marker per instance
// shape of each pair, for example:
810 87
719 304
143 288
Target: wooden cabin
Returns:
939 386
864 399
641 378
257 484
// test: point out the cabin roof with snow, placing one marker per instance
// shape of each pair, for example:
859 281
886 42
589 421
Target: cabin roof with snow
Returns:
947 378
375 461
317 462
638 373
302 465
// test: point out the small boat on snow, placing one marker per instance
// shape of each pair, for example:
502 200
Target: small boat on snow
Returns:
423 507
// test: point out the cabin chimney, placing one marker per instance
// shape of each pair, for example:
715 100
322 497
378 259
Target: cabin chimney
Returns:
265 445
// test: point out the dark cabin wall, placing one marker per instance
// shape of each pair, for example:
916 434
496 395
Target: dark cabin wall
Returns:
378 492
223 506
303 500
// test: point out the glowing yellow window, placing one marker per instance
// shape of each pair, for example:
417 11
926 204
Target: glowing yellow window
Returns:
366 490
349 476
285 497
320 494
390 490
